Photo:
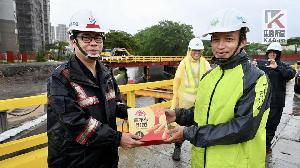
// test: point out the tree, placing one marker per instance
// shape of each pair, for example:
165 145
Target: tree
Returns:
254 48
165 38
41 56
121 39
294 41
207 48
59 47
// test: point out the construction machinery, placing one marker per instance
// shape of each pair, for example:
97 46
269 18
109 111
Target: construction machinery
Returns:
106 53
115 52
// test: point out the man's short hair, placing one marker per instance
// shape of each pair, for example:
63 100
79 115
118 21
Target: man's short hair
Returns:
243 33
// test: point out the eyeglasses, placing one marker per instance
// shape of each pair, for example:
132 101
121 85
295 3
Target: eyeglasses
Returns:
88 39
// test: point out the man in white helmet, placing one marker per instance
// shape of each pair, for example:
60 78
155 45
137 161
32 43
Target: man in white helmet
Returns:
279 74
83 103
232 103
186 80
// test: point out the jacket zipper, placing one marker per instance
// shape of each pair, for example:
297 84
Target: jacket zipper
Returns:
207 114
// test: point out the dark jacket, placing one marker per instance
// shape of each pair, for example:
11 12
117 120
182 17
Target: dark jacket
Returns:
82 113
278 79
297 83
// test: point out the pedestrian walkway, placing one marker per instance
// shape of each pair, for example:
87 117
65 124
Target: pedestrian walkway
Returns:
286 145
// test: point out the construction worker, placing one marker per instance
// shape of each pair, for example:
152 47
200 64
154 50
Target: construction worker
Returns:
297 83
83 103
279 74
186 80
227 125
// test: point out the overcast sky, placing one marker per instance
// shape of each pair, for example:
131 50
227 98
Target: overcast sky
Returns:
134 15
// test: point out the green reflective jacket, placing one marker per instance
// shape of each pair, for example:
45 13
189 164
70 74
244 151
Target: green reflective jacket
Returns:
231 114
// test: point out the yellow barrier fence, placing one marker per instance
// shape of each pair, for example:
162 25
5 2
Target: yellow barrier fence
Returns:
128 59
128 89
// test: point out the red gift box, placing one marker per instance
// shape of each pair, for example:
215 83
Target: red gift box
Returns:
148 123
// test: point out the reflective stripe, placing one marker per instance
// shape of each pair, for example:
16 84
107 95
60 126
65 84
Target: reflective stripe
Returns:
83 99
88 101
88 130
79 90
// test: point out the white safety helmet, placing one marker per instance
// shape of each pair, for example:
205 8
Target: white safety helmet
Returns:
84 21
274 46
196 44
227 20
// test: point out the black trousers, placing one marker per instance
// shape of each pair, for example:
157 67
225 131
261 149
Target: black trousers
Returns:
272 123
178 144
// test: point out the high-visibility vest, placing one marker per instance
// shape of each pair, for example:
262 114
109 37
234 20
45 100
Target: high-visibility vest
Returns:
192 83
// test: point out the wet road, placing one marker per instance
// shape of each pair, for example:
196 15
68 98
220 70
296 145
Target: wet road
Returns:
286 143
296 105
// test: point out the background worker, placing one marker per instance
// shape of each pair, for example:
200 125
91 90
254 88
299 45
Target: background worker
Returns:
186 80
279 74
83 103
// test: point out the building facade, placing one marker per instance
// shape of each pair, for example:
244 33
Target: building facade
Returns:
61 32
46 4
8 26
32 24
52 34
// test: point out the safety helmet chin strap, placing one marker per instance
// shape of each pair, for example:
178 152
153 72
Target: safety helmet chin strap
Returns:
239 43
85 53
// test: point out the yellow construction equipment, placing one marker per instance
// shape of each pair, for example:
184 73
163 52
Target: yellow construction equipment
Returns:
115 52
106 53
119 52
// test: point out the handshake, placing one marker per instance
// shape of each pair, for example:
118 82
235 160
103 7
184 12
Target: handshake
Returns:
150 126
